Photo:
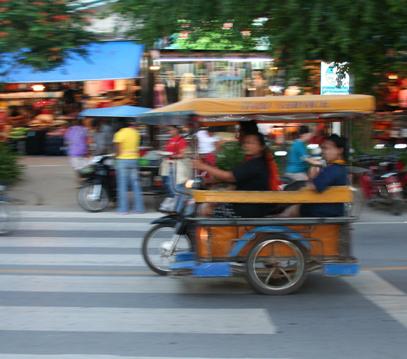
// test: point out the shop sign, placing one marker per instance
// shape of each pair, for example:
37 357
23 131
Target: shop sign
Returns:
329 81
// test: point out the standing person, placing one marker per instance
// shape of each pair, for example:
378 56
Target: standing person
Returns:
298 157
127 142
102 137
76 137
207 141
173 168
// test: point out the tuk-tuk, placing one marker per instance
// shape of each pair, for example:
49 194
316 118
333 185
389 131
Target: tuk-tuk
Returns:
275 254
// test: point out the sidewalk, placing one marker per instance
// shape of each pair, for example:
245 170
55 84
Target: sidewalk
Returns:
50 181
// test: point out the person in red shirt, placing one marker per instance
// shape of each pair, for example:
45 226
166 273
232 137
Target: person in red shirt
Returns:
176 148
176 144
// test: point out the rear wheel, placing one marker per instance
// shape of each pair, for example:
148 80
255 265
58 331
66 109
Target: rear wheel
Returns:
93 198
276 265
161 245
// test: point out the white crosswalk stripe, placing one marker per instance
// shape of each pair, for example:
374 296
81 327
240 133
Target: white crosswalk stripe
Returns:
136 320
73 259
78 226
109 284
90 356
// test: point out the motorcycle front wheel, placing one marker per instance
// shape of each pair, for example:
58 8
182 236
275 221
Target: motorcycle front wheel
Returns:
160 246
93 199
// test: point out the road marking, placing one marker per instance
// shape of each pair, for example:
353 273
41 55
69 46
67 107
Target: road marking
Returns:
97 356
105 260
70 242
137 320
77 272
382 293
109 284
113 273
81 226
384 268
83 214
364 223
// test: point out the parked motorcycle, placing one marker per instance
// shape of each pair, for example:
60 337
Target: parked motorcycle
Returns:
99 187
380 186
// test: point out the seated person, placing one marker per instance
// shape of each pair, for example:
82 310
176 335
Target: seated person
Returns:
250 127
252 175
335 174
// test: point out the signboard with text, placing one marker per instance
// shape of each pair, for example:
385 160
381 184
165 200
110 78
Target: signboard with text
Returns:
329 81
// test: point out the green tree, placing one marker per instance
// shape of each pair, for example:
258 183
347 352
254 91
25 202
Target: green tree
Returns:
41 33
370 35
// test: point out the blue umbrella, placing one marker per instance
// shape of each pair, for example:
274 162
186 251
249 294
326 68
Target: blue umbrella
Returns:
117 111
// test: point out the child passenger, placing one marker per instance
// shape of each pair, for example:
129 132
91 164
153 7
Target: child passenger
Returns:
335 174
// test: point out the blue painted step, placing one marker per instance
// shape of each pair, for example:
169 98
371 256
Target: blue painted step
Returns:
181 257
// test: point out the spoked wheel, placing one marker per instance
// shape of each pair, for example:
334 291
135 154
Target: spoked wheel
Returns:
8 217
276 266
161 245
93 198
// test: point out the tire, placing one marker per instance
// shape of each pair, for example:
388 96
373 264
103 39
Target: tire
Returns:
8 218
92 206
278 273
397 208
156 243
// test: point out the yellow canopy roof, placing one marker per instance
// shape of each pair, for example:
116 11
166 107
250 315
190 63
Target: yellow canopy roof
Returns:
270 109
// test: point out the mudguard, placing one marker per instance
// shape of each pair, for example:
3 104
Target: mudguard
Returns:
252 234
171 219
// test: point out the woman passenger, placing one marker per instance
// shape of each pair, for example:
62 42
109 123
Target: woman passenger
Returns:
335 174
252 175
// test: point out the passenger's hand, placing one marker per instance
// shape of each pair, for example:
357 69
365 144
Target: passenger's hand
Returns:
197 164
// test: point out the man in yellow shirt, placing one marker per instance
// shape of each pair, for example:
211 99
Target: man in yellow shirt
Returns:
127 141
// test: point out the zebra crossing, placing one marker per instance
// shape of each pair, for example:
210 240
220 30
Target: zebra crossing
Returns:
74 285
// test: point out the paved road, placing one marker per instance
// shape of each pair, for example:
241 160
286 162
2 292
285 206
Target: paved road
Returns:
73 285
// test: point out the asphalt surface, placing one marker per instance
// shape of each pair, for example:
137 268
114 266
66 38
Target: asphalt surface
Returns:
73 285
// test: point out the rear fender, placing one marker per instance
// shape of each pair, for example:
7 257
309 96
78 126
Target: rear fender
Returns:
289 233
171 220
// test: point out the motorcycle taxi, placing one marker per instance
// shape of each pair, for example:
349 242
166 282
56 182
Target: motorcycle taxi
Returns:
275 254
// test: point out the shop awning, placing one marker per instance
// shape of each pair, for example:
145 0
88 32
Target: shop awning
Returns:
117 111
105 61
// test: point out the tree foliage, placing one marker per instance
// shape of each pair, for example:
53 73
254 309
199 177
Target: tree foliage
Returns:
370 35
41 33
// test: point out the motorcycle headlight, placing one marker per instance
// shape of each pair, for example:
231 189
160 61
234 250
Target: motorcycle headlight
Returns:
96 159
189 183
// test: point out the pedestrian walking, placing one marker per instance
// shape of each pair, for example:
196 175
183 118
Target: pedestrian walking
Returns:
127 142
76 138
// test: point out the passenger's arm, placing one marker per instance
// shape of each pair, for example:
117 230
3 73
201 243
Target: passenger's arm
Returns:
313 161
225 176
